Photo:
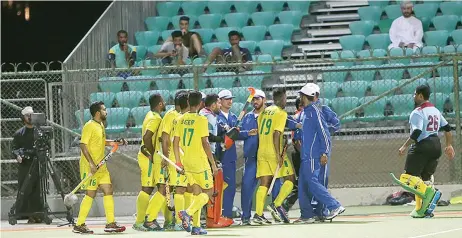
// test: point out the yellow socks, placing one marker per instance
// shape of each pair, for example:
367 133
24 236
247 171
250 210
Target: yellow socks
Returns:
155 204
179 201
188 198
286 189
198 202
418 202
141 205
260 198
108 202
85 207
196 219
168 215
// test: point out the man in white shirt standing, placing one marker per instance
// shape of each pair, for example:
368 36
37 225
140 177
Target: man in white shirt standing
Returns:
406 31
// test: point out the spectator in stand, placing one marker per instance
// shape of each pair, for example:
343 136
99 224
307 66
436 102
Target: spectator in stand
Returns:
173 52
122 55
192 40
406 31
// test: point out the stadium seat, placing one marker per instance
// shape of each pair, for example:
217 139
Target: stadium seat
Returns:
141 51
343 105
324 101
425 10
167 81
222 79
384 25
106 97
410 88
272 47
370 14
263 18
264 68
379 41
205 33
428 50
335 76
250 45
395 72
147 38
117 119
210 46
208 91
188 80
363 72
222 33
393 11
129 99
139 113
282 32
194 8
380 4
438 100
254 33
402 106
157 23
451 8
361 27
237 107
375 53
417 68
449 49
165 94
176 21
246 6
139 83
198 62
219 7
211 21
166 34
446 71
237 19
346 54
457 36
252 78
380 86
425 22
168 9
86 117
302 6
445 22
148 63
375 111
271 6
240 93
328 89
111 84
436 38
154 49
291 17
400 52
453 100
441 84
353 42
354 88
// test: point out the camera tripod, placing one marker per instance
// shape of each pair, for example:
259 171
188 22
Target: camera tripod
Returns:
42 161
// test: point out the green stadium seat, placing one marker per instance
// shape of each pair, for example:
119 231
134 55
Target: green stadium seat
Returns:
139 113
106 97
451 8
167 81
222 79
176 21
428 50
246 6
194 8
375 111
445 22
147 63
335 76
86 117
423 66
361 28
365 72
328 89
139 83
445 71
166 34
211 21
117 119
438 100
457 36
400 52
271 6
157 23
425 22
453 100
379 41
384 25
147 38
441 84
282 32
353 42
302 6
250 45
210 46
324 101
452 49
252 78
425 10
111 84
393 11
263 68
291 17
200 61
237 107
165 94
219 7
380 4
395 72
222 33
375 53
240 93
343 105
188 80
154 49
208 91
129 99
380 86
206 34
402 106
272 47
370 14
168 9
410 88
263 18
346 54
238 19
254 33
141 51
354 88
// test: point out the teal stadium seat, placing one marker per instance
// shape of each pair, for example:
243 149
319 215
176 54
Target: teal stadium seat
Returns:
168 9
86 117
198 62
139 83
417 68
252 78
222 79
167 81
254 33
147 38
222 33
219 7
324 101
157 23
303 6
334 76
380 86
400 52
425 10
370 14
237 107
240 93
328 89
441 84
188 80
194 8
106 97
377 53
282 32
238 19
165 94
402 106
451 8
392 71
380 4
363 72
393 11
141 51
384 25
117 119
291 17
272 47
354 88
457 36
263 18
410 88
429 50
208 91
379 41
211 21
250 45
375 111
210 46
271 6
205 33
353 42
438 100
166 34
263 58
111 84
246 6
345 54
176 21
361 27
154 49
343 105
148 63
453 100
445 71
139 113
425 22
129 99
445 22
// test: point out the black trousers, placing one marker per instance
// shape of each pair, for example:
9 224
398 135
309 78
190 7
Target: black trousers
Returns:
32 201
422 158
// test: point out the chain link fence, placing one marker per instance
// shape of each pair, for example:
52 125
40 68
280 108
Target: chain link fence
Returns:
373 95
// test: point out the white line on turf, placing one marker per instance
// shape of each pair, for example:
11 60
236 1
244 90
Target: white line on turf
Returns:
436 233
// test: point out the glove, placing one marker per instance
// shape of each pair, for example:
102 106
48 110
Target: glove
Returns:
233 133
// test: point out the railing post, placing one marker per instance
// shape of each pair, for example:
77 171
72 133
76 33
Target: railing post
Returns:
458 139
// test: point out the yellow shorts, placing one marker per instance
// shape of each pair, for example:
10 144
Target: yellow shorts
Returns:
175 178
268 168
98 178
203 179
147 171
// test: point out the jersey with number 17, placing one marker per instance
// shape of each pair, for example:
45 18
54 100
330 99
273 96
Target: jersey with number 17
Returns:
272 119
428 119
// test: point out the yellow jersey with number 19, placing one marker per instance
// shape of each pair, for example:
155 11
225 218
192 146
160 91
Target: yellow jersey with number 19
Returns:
152 122
191 128
272 119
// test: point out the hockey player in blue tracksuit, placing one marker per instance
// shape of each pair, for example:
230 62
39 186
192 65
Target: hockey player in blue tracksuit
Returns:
314 151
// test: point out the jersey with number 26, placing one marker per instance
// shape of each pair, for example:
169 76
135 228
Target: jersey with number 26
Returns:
272 119
428 119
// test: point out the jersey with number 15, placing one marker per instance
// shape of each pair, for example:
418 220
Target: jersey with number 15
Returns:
272 119
191 128
428 119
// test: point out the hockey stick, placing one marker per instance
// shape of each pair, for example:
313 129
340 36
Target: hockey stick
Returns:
170 162
167 190
71 198
277 169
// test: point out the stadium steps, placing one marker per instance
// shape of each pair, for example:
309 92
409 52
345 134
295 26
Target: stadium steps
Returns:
320 47
326 24
339 4
343 9
329 32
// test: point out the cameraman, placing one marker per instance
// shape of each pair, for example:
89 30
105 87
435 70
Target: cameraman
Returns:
23 145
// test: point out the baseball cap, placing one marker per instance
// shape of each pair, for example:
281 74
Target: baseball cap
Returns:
308 90
226 94
27 110
259 93
315 86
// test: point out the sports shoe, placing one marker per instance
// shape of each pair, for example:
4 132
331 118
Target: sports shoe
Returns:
245 222
114 227
261 220
198 231
185 220
139 227
304 221
283 214
332 214
152 226
178 227
82 229
169 226
274 212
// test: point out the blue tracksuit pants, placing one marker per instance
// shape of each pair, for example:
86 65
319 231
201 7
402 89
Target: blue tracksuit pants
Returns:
319 208
229 174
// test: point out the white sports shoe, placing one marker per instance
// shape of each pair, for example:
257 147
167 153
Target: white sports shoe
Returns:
335 213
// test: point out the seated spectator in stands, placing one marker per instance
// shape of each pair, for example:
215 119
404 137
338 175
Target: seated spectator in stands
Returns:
192 40
406 31
234 54
122 55
173 52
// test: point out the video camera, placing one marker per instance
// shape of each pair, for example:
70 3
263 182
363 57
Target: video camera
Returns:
42 133
24 153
